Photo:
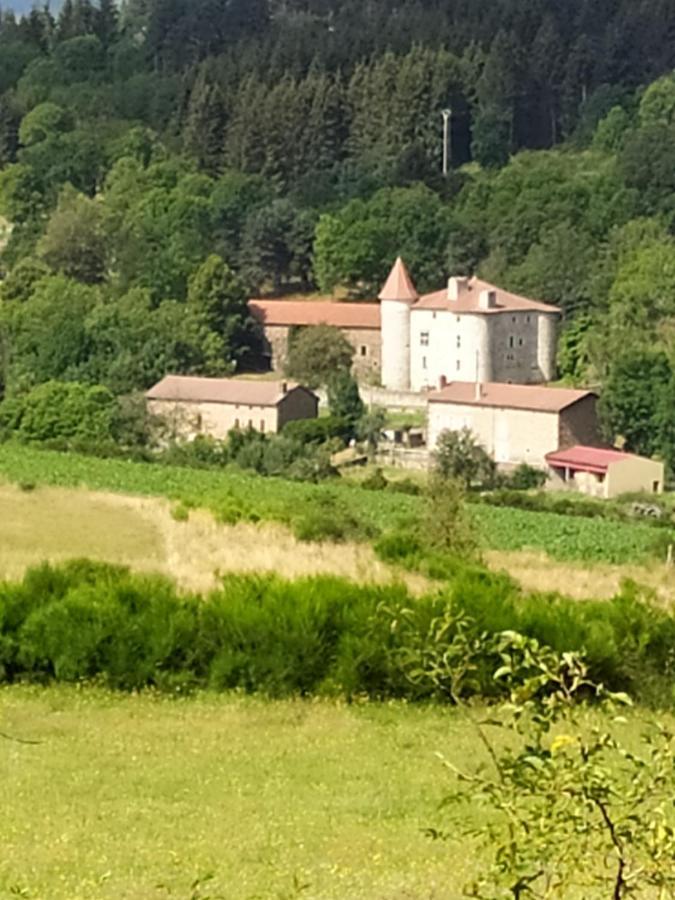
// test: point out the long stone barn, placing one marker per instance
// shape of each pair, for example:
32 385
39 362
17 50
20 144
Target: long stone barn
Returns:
360 323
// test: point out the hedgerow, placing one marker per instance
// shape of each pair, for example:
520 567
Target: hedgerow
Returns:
90 621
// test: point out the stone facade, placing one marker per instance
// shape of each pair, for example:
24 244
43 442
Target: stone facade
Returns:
367 344
579 424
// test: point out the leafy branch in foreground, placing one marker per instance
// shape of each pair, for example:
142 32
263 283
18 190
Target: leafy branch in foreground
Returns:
567 808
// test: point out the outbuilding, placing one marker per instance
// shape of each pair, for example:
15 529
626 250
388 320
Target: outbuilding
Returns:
515 423
214 406
605 473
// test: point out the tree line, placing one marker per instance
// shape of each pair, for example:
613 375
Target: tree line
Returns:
162 161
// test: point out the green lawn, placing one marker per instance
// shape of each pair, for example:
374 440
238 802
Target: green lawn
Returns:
562 537
138 797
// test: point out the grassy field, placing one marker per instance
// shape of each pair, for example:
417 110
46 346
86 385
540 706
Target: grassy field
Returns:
272 499
137 797
56 524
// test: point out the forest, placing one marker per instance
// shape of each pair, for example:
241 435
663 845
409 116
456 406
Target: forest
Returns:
163 160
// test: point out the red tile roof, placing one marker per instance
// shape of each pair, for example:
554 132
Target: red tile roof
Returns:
399 284
509 396
316 312
191 389
587 459
469 291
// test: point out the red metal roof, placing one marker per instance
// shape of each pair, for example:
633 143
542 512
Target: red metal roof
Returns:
399 285
510 396
316 312
469 291
192 389
587 459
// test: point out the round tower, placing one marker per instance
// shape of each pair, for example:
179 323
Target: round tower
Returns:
547 340
396 298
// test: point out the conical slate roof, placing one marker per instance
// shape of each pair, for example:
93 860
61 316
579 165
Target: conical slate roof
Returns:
399 285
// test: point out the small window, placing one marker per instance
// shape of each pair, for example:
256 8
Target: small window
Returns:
513 318
459 365
236 424
656 486
433 315
424 339
512 342
363 350
424 362
520 342
527 319
459 341
458 320
262 426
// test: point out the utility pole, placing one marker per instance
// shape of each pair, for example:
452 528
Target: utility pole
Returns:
447 115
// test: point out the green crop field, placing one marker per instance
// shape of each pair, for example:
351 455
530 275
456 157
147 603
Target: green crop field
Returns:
137 797
562 537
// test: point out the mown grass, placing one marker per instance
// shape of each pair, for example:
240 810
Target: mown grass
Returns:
232 492
131 797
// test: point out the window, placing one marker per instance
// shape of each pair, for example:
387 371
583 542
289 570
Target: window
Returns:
459 341
458 320
513 318
433 315
236 423
527 319
363 350
520 342
512 341
424 362
262 426
459 365
424 339
656 485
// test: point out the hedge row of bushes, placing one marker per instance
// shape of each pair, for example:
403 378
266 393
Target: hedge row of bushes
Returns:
86 621
576 505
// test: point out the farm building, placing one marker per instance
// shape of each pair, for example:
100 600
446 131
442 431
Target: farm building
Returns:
605 473
515 423
359 322
214 406
468 331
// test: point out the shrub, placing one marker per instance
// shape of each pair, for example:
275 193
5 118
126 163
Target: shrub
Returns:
525 478
459 456
327 518
84 620
317 431
376 481
180 513
62 411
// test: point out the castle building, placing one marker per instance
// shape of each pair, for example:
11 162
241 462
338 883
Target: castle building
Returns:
470 331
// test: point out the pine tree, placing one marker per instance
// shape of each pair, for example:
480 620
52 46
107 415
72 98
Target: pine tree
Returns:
204 130
106 22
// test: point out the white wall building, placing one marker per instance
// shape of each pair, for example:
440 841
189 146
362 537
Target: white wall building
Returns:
515 423
469 331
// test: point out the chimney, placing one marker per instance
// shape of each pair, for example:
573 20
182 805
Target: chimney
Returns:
442 382
456 285
284 387
479 392
487 299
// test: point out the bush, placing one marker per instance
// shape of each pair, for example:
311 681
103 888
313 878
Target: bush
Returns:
327 518
68 412
376 481
525 478
317 431
84 620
